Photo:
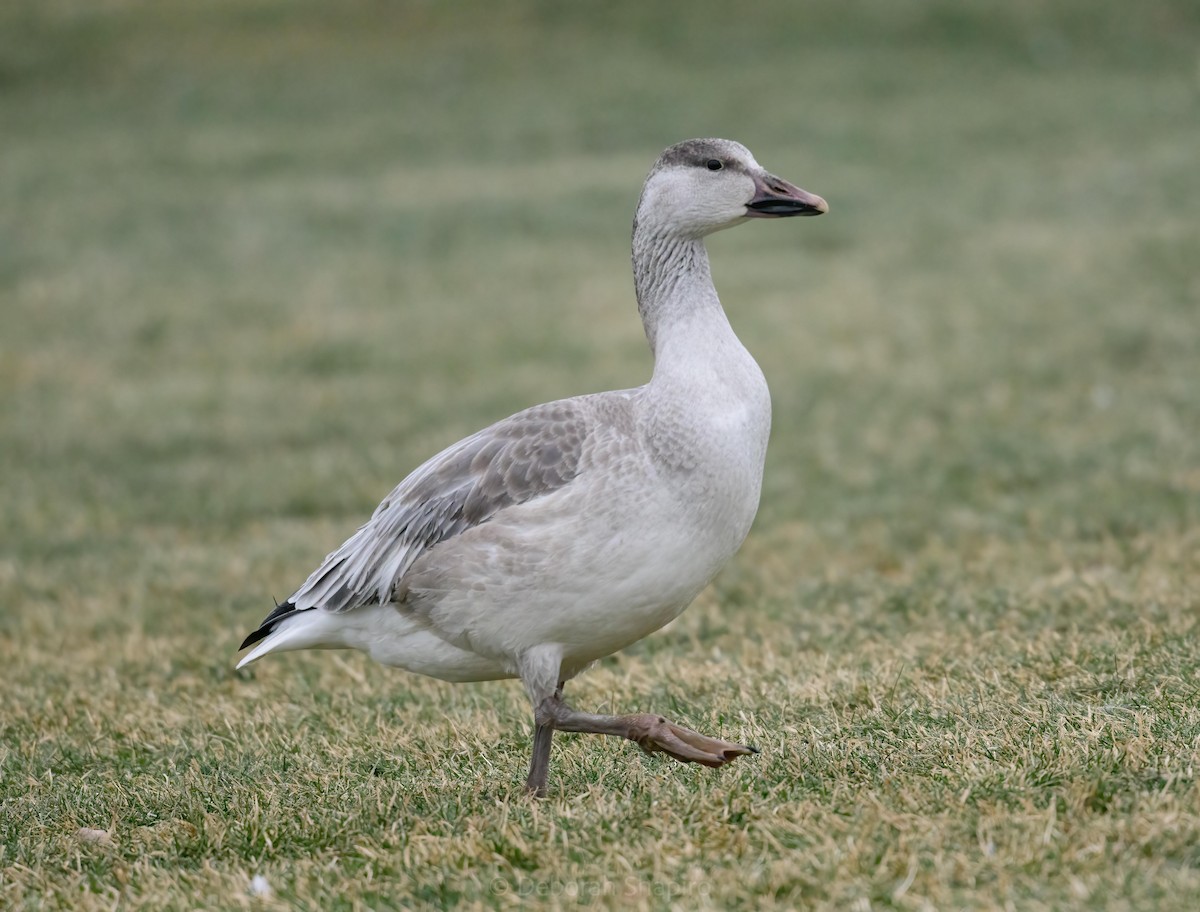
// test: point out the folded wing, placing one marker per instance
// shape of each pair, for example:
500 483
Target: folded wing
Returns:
514 461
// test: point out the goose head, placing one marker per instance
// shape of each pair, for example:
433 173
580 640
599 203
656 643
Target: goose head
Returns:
705 185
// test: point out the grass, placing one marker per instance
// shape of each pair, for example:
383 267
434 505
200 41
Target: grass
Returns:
259 259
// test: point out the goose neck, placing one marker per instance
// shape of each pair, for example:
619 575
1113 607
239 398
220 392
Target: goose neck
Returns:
673 282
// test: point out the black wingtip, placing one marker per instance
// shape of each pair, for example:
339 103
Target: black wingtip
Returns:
260 634
270 622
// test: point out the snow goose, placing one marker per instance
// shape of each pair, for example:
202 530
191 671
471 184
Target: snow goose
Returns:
573 529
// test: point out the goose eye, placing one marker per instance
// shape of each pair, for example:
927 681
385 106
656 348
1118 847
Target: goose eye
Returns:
714 164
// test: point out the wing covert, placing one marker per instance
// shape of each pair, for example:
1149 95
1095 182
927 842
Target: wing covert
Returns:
514 461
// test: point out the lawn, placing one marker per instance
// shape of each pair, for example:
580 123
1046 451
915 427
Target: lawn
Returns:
258 259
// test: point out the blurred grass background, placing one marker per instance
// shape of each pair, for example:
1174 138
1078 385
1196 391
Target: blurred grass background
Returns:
259 259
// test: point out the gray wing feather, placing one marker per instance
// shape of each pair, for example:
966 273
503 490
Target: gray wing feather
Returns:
516 460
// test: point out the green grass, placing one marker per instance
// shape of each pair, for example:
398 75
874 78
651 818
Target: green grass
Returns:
258 259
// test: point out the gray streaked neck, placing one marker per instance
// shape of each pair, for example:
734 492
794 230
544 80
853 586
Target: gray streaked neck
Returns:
671 278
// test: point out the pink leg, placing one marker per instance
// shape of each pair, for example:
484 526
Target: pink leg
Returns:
652 733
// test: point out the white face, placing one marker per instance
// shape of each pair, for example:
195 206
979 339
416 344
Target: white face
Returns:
695 198
705 185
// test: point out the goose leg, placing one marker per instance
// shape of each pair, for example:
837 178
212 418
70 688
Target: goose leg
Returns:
652 732
539 763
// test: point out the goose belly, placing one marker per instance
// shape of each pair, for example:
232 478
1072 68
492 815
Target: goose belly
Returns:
592 576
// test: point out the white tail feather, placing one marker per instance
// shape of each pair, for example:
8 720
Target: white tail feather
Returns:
312 629
387 635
